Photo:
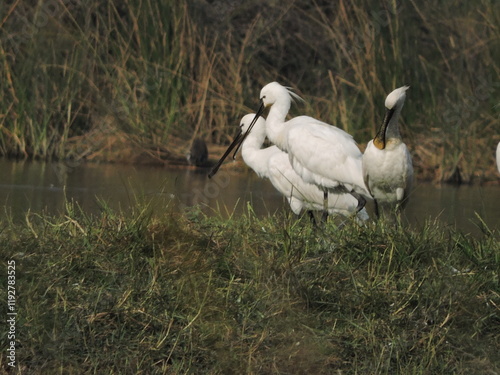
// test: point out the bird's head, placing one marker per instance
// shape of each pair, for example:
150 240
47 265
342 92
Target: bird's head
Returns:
274 91
396 97
250 123
394 103
259 125
247 123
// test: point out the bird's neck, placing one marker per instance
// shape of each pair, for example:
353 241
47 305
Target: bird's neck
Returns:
389 130
252 152
276 125
392 131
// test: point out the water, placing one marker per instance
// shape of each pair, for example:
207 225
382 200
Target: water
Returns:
45 187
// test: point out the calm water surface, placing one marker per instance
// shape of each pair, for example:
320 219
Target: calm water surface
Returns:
38 187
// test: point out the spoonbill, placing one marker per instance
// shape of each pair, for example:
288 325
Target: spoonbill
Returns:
321 154
274 164
387 165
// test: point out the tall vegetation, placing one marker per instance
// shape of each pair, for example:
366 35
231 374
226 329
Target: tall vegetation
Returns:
81 78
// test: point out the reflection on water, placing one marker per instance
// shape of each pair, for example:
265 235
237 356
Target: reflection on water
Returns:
40 187
37 186
462 207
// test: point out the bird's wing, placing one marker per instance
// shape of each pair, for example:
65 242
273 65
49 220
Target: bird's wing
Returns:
289 183
326 154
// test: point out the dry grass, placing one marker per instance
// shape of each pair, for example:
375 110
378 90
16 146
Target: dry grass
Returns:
173 71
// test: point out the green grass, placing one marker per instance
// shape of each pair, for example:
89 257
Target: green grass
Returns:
86 80
187 293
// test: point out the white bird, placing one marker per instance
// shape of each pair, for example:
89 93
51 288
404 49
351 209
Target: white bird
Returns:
498 156
274 164
387 164
320 153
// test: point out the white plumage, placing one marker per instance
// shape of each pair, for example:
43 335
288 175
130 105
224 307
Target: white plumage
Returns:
274 164
321 154
498 156
387 164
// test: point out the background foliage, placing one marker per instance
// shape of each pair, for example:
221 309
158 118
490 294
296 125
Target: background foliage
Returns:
106 80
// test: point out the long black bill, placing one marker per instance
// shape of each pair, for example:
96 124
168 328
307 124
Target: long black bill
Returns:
235 142
257 115
380 137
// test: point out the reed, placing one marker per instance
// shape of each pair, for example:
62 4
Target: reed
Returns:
187 293
159 75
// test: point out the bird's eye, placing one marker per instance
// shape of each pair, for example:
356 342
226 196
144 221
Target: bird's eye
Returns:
263 97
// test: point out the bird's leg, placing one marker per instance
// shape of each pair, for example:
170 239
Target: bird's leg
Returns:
377 212
361 201
311 217
324 217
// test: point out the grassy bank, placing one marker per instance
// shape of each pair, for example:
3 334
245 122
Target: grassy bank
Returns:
137 81
185 293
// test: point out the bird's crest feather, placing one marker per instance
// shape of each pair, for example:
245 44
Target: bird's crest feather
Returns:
293 95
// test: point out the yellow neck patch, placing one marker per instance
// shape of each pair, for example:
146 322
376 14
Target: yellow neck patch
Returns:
379 143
